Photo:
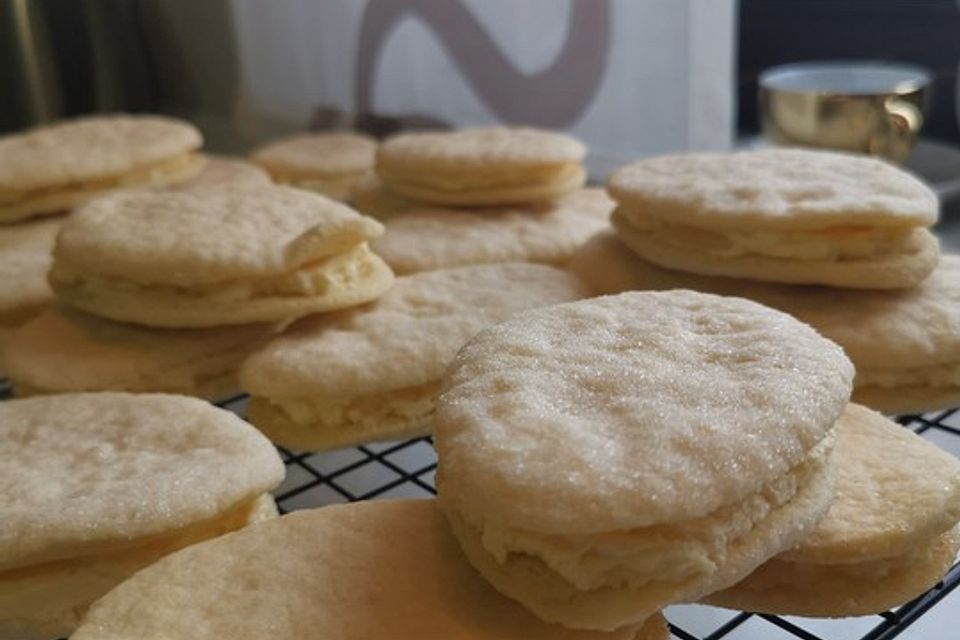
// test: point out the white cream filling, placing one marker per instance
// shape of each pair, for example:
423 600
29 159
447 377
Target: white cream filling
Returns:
838 243
660 553
327 276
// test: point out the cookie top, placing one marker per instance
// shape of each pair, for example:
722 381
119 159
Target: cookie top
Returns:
631 410
274 580
424 239
25 256
405 338
895 493
223 171
773 189
318 153
506 148
90 148
209 235
902 328
89 472
62 350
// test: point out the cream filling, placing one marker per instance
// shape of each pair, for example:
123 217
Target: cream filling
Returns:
149 174
324 277
480 179
947 375
659 553
54 595
837 243
333 412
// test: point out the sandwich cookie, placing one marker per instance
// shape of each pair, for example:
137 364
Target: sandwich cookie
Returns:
62 351
371 373
782 215
890 534
343 571
224 171
481 167
425 239
25 255
905 343
328 163
98 486
604 458
56 167
213 256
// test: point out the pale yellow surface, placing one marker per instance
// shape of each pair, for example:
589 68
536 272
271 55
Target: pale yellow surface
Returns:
321 573
312 155
371 197
88 149
528 578
906 266
774 189
631 410
92 473
208 236
225 171
48 600
370 373
25 256
432 238
166 173
345 280
62 351
840 591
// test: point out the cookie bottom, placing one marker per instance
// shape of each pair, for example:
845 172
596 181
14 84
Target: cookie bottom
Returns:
836 591
896 271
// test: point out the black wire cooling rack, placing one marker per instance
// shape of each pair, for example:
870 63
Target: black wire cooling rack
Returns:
406 470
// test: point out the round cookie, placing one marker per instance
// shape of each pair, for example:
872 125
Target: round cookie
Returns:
25 256
603 458
328 163
63 351
101 485
56 167
425 239
783 215
371 373
208 257
890 534
225 171
481 167
275 580
904 343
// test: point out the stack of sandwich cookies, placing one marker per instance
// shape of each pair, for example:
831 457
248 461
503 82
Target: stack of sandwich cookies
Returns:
432 238
905 343
25 255
328 163
600 459
483 167
209 257
63 350
338 572
782 215
890 534
370 373
224 171
56 167
98 486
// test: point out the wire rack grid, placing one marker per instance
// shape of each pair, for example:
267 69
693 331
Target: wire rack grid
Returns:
406 470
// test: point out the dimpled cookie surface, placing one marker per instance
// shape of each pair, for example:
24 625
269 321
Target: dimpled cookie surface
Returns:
208 235
629 410
90 148
84 473
773 188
